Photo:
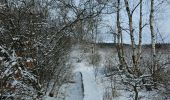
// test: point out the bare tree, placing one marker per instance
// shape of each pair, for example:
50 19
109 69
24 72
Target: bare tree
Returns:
133 72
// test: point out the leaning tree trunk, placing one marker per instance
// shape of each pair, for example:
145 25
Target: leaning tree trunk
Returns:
132 38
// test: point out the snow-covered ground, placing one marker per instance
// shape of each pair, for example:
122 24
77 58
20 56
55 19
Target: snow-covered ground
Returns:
83 87
75 90
87 86
91 89
71 91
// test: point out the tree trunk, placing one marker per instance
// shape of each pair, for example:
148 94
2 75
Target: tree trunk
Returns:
153 35
153 41
131 35
119 35
140 33
136 92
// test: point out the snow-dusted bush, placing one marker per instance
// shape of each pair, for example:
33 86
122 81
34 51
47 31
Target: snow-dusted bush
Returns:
110 65
110 93
17 81
95 59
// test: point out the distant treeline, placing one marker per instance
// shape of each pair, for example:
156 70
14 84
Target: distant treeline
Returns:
158 45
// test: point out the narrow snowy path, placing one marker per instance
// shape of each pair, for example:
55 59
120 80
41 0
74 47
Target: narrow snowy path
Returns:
91 89
75 91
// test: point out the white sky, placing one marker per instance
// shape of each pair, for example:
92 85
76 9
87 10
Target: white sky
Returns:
162 23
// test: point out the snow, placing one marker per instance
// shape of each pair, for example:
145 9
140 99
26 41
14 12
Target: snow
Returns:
85 87
14 63
99 87
29 60
14 83
91 89
70 91
15 38
50 98
2 5
95 87
75 91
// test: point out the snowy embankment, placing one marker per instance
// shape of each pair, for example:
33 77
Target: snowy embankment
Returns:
91 88
92 91
74 90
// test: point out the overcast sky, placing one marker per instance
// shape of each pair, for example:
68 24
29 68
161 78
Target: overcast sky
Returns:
162 25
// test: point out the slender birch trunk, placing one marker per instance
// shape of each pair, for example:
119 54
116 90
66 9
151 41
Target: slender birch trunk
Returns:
140 33
153 42
118 29
119 34
131 35
153 35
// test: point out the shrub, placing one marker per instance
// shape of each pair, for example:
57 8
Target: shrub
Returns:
94 59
